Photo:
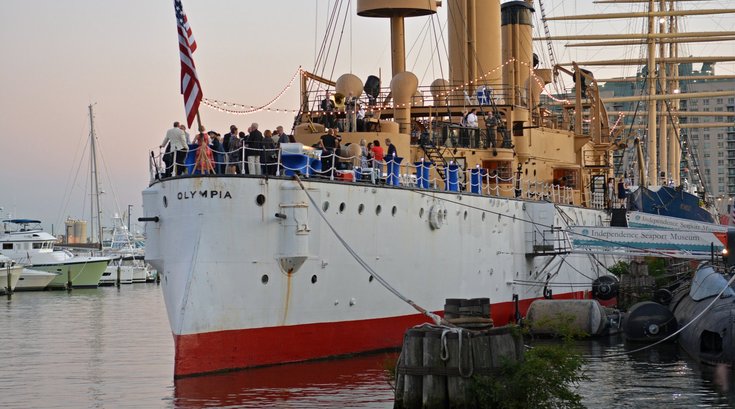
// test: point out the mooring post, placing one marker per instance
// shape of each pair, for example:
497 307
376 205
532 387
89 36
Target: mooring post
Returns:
9 288
434 388
414 357
68 279
117 280
461 366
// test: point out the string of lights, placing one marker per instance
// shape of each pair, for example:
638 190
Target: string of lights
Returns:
242 109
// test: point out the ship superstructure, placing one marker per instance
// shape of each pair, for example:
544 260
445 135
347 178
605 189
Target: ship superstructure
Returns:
267 269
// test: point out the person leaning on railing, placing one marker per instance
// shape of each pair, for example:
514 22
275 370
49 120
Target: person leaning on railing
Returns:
234 153
268 155
218 151
176 140
254 145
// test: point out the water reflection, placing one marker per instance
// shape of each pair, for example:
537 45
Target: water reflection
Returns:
661 376
355 382
113 348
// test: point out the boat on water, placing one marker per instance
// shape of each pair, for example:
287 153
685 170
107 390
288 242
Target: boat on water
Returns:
10 273
34 280
126 257
704 310
24 241
267 269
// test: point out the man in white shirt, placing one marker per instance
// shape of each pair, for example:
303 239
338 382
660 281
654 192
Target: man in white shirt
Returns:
176 139
472 119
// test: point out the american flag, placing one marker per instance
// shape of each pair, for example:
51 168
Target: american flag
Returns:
190 87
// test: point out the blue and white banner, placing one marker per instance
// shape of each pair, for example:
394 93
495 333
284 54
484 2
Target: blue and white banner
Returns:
641 220
647 242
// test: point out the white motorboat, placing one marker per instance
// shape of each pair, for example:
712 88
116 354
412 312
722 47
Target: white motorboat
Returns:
9 274
23 241
126 256
34 280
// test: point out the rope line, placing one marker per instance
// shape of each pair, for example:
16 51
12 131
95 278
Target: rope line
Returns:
435 318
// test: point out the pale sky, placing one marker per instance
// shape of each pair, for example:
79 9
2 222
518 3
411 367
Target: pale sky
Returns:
60 56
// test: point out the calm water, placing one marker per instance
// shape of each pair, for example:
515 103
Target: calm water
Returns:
112 348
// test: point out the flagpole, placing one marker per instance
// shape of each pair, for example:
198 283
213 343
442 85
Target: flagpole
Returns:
199 121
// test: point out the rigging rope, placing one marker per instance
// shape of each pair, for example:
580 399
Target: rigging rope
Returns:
435 318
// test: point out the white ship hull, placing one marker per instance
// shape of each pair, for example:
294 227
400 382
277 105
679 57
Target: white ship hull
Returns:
231 302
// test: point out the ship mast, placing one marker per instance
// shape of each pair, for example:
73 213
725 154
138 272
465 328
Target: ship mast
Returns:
651 81
94 181
662 79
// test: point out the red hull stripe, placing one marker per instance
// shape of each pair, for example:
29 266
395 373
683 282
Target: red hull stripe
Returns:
233 349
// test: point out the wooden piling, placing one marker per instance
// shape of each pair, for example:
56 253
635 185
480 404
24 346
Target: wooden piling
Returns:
460 368
9 288
503 346
68 279
414 358
117 280
434 393
400 378
451 307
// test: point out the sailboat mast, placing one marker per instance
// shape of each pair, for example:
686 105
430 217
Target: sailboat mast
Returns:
651 67
94 179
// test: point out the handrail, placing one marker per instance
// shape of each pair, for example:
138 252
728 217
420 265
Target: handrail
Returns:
334 166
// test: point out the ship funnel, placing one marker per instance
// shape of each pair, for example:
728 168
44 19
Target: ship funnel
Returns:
403 86
397 11
517 31
474 44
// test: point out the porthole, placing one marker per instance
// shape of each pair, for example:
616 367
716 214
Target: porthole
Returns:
378 209
483 217
342 207
260 200
325 206
370 280
165 201
264 279
421 213
313 279
465 214
360 208
393 211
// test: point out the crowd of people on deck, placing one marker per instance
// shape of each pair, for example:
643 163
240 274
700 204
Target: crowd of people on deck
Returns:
256 153
252 152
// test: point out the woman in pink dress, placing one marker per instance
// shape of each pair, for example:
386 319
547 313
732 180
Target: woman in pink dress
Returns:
204 162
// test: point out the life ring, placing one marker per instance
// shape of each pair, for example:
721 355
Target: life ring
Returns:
437 215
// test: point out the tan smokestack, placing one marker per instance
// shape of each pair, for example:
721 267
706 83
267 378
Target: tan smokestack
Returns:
517 29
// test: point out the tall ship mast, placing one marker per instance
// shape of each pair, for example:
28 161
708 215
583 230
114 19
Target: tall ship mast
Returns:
659 88
325 249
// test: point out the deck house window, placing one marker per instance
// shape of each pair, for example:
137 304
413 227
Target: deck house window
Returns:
7 246
566 178
500 168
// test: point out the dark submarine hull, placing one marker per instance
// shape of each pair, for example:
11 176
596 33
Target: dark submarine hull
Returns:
710 338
